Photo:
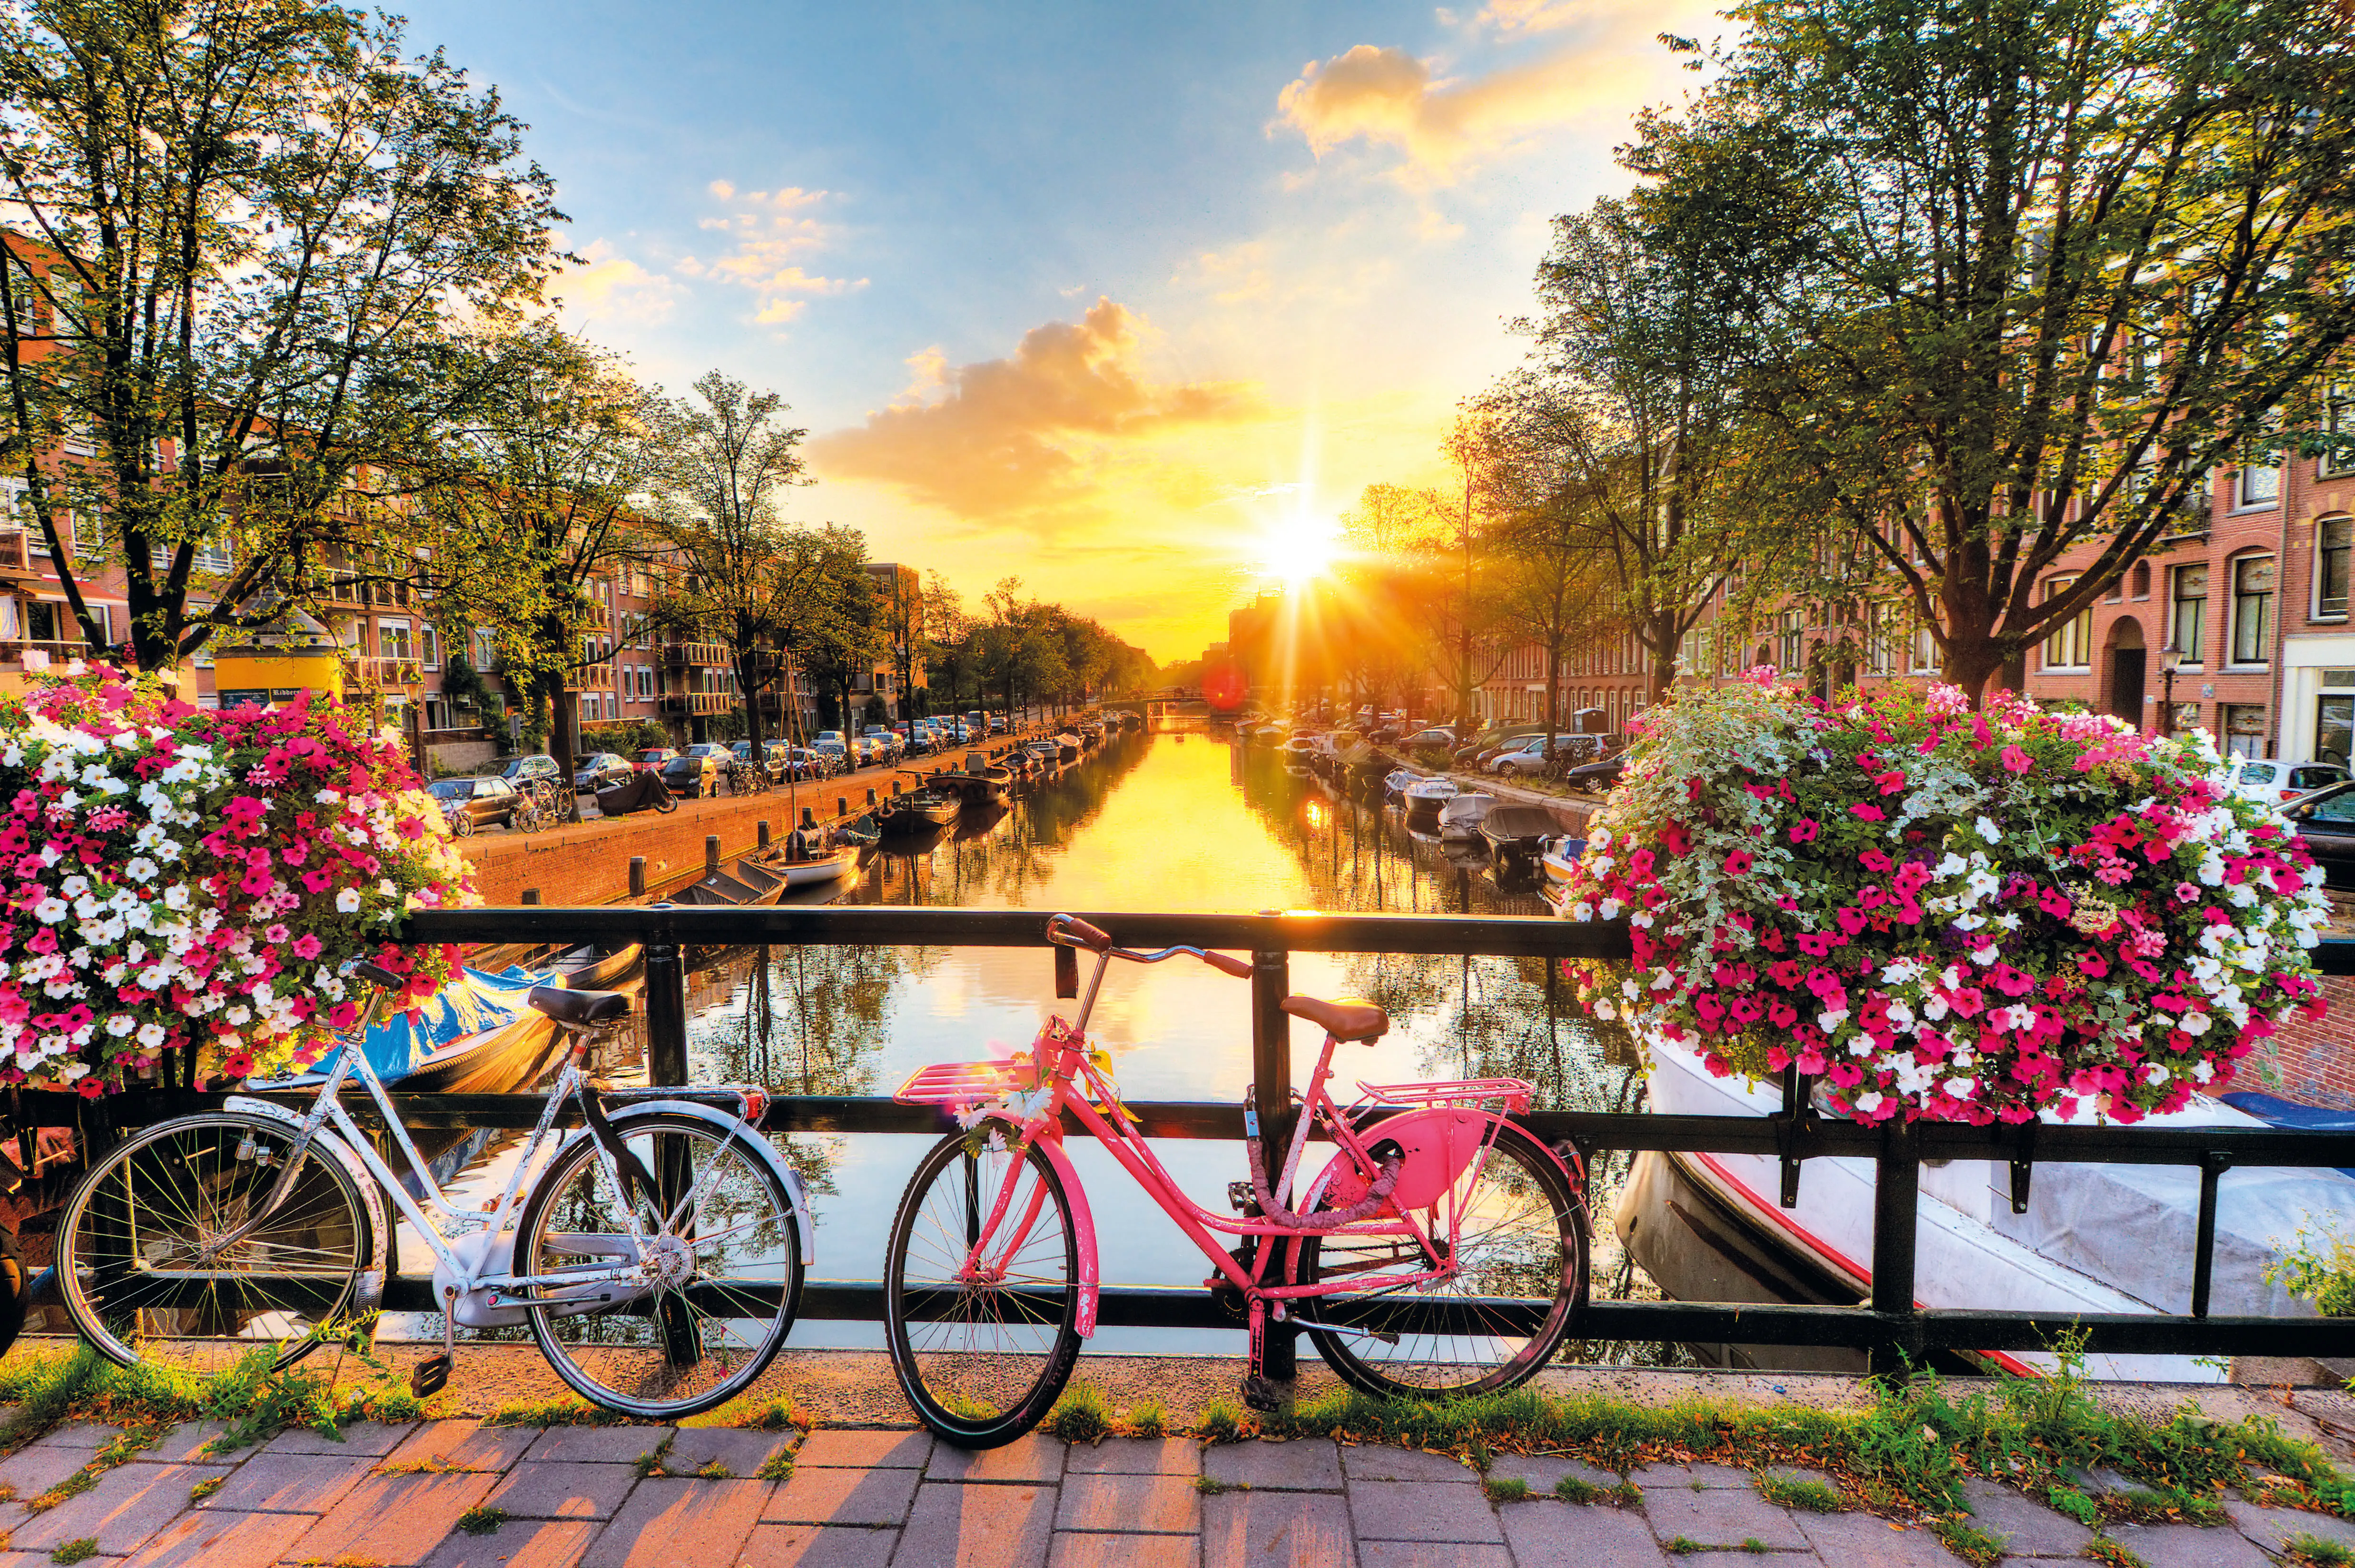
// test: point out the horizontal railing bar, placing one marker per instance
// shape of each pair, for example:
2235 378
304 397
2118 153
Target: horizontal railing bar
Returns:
2279 1148
2122 1334
1293 930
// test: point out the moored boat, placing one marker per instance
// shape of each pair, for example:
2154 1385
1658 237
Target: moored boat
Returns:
1460 816
1424 797
1516 835
922 808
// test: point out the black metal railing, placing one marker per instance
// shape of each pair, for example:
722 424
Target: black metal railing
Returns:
1889 1325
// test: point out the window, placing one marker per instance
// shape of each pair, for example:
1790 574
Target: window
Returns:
2069 645
2332 538
2142 580
2187 612
2338 422
392 640
2245 729
2252 609
429 643
1926 650
1789 656
2260 484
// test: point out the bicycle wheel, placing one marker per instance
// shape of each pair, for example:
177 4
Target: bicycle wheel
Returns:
133 1263
982 1362
729 1276
1521 1275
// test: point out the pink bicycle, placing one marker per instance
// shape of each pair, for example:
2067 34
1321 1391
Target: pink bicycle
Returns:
1442 1249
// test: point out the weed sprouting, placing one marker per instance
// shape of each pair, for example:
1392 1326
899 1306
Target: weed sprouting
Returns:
1081 1415
1793 1491
1507 1489
2316 1552
1146 1418
482 1520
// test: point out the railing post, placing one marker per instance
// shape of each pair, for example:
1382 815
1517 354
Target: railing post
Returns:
666 1008
1271 1098
2213 1165
1896 1203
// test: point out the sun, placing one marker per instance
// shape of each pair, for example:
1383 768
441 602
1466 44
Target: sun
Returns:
1299 550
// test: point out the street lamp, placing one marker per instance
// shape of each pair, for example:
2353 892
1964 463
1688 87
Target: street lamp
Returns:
2167 687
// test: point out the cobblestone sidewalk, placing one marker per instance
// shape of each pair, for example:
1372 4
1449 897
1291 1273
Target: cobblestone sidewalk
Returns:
397 1497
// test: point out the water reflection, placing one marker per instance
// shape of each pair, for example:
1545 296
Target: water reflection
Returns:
1162 821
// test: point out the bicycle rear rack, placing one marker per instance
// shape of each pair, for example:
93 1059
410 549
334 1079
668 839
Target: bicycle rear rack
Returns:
965 1082
1461 1093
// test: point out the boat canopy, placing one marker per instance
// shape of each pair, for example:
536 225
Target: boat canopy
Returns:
473 1004
1520 822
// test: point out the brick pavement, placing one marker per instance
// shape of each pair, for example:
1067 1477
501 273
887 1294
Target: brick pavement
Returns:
403 1496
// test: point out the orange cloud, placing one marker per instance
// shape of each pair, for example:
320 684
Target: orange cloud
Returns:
606 285
1038 431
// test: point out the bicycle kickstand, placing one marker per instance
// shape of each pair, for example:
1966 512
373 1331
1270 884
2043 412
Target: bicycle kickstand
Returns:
1259 1391
427 1376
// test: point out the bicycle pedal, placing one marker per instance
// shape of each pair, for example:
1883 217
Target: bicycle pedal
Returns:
1240 1198
1265 1394
428 1377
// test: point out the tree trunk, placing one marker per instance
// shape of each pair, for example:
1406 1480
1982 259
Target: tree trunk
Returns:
747 684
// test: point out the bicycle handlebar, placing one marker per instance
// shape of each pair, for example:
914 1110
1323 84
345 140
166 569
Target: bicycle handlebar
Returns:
1071 931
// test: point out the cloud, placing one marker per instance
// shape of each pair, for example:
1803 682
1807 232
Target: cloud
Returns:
769 232
1039 432
1509 16
1387 97
606 285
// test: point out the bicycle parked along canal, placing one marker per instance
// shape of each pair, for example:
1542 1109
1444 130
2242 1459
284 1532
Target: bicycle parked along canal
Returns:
1442 1249
656 1254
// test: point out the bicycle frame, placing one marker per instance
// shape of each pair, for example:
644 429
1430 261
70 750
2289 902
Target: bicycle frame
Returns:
349 1061
1067 1081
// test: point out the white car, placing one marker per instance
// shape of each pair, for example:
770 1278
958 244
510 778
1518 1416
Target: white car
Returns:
2265 780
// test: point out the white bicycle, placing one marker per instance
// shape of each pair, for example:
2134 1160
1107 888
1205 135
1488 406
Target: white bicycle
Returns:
656 1252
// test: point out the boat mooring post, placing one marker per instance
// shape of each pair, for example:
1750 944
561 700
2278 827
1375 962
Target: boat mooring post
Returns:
1896 1195
764 833
637 876
1271 1098
712 854
665 1007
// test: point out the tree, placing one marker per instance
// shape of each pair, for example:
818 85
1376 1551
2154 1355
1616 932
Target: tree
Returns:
531 504
248 228
947 640
1553 583
721 462
2032 269
901 604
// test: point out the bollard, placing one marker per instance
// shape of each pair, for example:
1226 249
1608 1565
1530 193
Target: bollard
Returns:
842 806
870 794
531 895
637 876
712 854
1271 1098
764 833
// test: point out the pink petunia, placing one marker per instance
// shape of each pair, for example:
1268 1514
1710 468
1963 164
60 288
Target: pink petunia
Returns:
1805 830
1868 813
2017 761
1737 862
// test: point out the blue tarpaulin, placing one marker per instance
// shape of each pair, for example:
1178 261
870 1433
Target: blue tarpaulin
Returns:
473 1004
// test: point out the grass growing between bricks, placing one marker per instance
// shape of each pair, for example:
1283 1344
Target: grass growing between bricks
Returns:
482 1520
2316 1552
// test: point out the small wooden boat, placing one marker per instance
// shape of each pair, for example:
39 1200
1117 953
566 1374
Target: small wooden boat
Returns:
1067 748
924 808
860 831
1460 817
1561 860
825 868
1394 787
1424 797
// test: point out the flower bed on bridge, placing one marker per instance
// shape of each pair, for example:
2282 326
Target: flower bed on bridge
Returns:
1944 914
172 877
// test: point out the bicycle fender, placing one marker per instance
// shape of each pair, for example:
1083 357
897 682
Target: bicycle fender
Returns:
794 1188
369 1295
1084 1230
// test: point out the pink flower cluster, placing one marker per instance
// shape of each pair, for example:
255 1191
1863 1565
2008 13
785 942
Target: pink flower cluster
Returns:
1947 914
173 877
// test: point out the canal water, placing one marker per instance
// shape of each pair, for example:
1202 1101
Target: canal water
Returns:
1178 819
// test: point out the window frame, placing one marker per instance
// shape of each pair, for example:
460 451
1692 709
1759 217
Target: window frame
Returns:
2195 657
2320 609
2075 633
2268 612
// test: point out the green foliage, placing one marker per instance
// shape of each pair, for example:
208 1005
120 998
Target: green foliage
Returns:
2316 1552
482 1520
206 1487
1210 1487
623 737
2073 1504
1972 1544
75 1550
1221 1421
2321 1270
1685 1546
1081 1415
1507 1489
654 1462
1146 1418
778 1467
1784 1491
567 1410
2102 1549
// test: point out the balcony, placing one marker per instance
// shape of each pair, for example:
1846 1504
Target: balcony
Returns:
698 703
384 674
703 655
592 677
16 553
30 655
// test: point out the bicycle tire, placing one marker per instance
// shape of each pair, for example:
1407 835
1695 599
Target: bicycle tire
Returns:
585 1350
1421 1366
462 826
664 805
168 1168
972 1397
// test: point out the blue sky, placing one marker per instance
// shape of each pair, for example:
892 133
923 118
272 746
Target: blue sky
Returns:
1121 299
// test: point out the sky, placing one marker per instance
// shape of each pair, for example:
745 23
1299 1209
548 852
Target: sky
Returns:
1128 301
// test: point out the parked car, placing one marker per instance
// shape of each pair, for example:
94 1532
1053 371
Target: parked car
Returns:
1534 755
883 743
1483 746
2271 783
1595 778
469 804
997 724
696 771
1437 735
651 760
598 771
2325 824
